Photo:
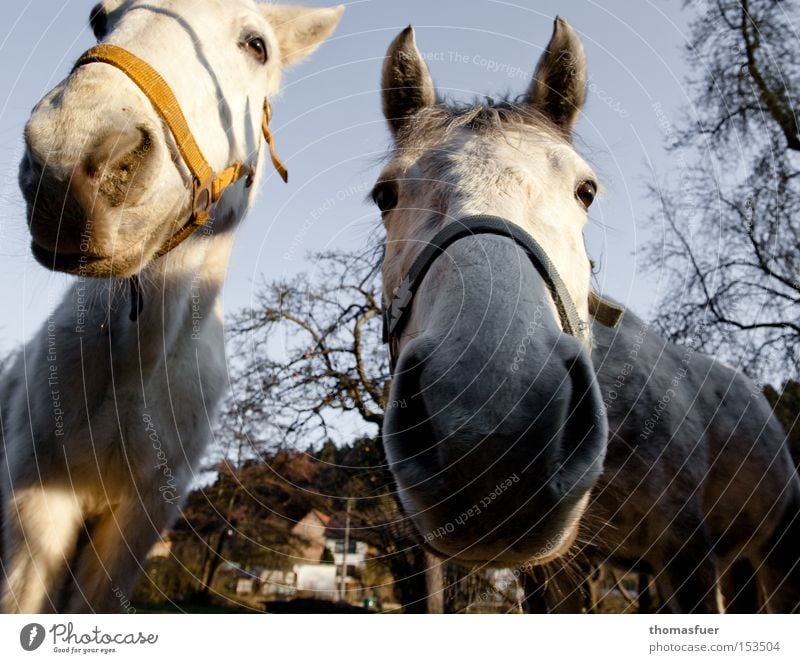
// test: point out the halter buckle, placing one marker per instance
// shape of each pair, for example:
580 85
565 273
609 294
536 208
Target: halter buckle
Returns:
203 196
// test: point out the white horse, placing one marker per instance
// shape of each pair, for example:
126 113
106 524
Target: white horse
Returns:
107 411
501 455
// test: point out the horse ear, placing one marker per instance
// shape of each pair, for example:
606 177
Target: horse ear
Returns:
406 81
300 30
98 21
100 17
559 84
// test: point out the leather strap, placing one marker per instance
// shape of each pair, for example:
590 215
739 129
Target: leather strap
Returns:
606 312
395 314
482 224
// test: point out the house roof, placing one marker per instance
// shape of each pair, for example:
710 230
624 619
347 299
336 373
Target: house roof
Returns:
316 513
324 518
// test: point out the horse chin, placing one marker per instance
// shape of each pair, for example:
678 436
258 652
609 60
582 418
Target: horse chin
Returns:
518 554
568 536
84 264
119 264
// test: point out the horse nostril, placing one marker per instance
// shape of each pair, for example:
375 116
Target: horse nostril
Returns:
27 168
119 165
29 177
582 445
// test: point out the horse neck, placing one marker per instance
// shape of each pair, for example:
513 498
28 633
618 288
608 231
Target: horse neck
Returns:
180 295
182 289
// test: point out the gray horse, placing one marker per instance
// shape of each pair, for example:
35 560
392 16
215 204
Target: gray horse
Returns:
503 455
699 489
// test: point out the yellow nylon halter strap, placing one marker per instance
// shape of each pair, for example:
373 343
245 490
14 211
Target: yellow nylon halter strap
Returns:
208 186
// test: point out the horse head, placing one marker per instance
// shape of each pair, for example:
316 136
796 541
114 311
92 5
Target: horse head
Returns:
155 127
503 433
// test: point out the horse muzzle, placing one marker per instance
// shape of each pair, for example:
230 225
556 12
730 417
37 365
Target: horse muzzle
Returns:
83 208
500 433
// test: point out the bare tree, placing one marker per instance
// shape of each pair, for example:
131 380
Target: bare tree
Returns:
315 370
731 221
313 351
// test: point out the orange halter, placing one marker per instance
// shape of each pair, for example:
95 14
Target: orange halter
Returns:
208 186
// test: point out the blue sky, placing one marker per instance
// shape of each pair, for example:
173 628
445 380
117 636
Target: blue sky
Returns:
331 133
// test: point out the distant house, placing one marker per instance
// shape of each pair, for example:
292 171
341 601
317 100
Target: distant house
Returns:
275 582
321 557
245 585
317 580
310 529
355 557
162 547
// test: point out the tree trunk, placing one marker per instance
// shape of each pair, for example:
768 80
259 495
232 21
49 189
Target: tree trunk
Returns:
410 580
211 564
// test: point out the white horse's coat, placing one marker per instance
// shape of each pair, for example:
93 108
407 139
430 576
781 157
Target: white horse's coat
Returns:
104 420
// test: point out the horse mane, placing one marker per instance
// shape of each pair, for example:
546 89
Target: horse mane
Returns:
483 116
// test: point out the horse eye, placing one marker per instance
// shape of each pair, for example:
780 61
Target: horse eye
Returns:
257 48
586 192
385 196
